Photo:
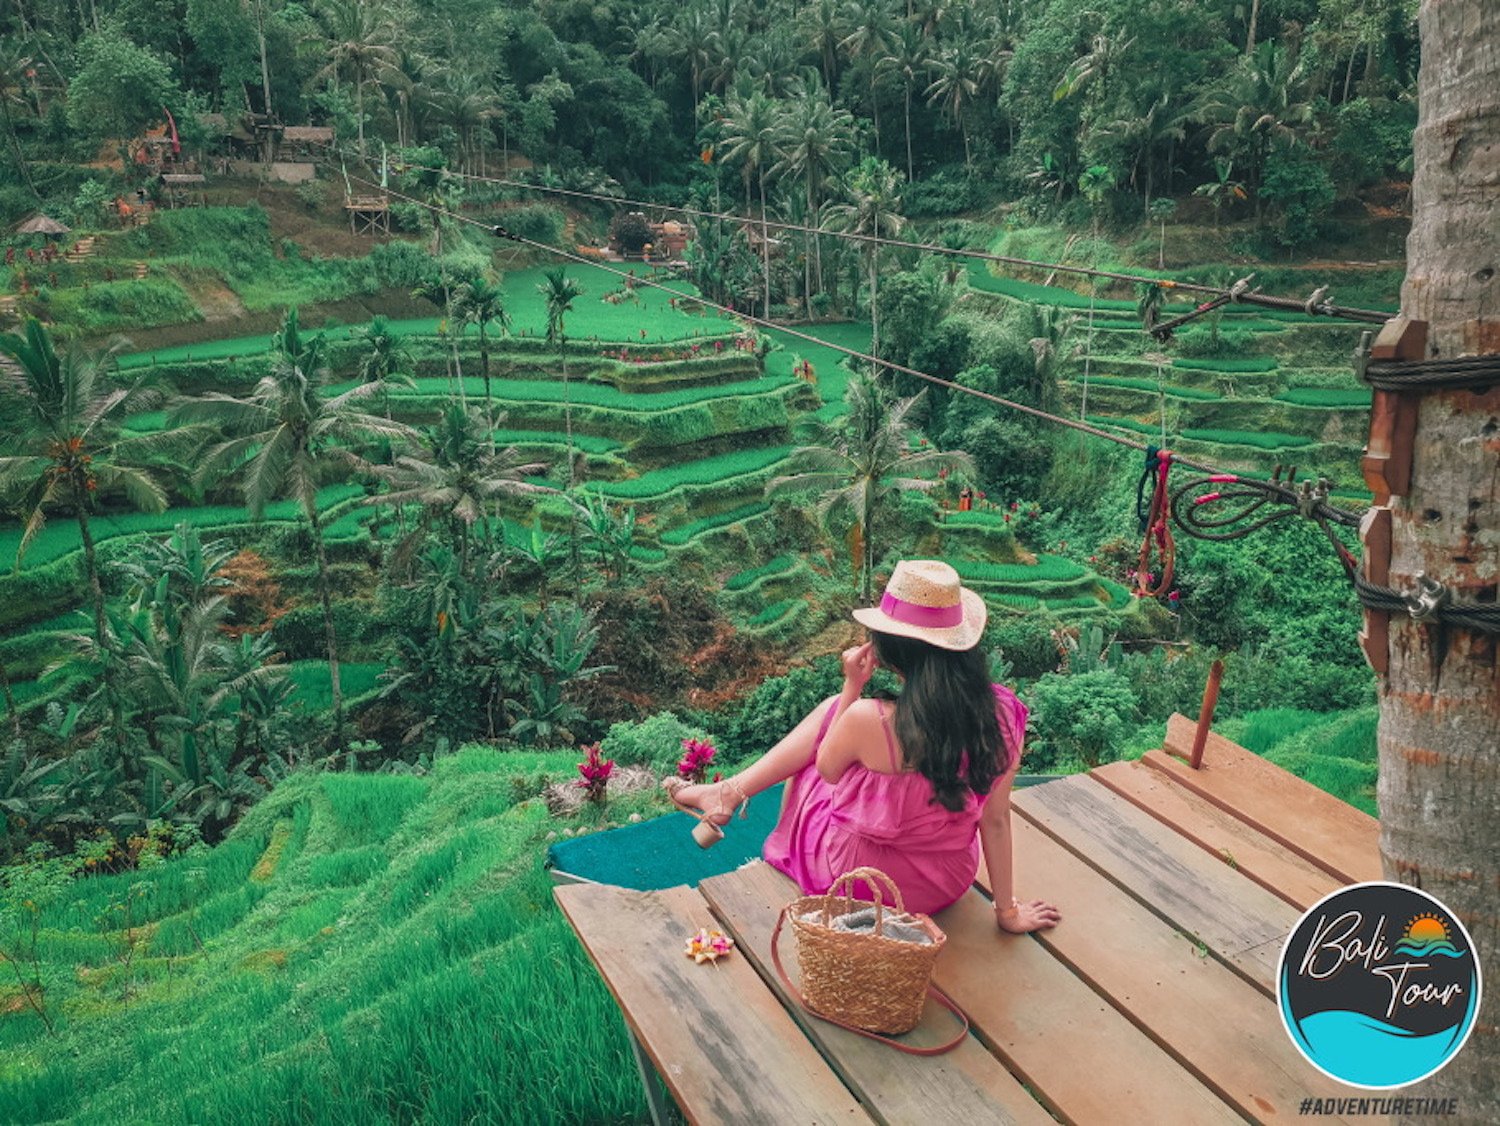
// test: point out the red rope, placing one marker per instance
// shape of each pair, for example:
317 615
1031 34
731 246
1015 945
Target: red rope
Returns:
1159 535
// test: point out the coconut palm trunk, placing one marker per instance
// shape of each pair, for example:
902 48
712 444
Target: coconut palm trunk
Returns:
325 596
10 700
909 165
91 566
765 246
1439 782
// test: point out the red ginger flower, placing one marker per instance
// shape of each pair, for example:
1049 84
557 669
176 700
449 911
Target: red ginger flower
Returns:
596 771
698 756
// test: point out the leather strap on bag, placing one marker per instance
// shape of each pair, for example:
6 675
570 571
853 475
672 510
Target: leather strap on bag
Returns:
932 991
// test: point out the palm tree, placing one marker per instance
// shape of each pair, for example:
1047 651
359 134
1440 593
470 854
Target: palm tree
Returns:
387 355
559 291
751 136
67 418
1258 106
482 302
181 674
860 462
910 55
359 46
822 25
694 39
15 65
452 476
956 85
287 437
867 36
872 208
815 144
468 104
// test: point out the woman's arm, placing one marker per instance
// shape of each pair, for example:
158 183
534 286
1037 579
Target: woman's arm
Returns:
841 747
995 839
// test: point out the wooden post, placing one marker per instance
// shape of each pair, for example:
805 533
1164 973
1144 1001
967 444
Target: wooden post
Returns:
1393 414
1206 713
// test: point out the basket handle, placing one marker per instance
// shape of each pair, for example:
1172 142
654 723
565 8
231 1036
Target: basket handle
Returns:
878 881
932 991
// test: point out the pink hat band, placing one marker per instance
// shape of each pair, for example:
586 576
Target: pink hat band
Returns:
926 617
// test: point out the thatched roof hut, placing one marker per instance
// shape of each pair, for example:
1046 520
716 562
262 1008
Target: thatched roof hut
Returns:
42 225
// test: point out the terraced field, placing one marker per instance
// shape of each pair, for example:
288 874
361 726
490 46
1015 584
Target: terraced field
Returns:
1281 397
657 392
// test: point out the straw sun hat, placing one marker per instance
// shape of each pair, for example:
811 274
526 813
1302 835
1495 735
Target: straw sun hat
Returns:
925 600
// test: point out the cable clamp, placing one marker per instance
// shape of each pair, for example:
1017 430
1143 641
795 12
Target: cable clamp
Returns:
1362 356
1426 605
1241 287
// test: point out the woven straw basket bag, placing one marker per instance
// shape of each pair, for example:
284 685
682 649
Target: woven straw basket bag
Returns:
867 982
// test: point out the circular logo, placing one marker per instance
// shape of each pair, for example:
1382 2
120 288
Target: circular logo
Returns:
1378 985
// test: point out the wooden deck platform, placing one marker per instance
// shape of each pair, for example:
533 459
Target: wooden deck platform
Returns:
1152 1001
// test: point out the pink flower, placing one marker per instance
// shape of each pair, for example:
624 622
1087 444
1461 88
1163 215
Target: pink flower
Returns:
596 771
1174 597
1013 504
699 754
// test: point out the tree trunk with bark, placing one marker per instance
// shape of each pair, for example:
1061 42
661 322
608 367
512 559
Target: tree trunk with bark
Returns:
325 595
1439 733
91 565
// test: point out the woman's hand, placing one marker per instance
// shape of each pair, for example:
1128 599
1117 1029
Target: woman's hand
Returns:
859 663
1022 918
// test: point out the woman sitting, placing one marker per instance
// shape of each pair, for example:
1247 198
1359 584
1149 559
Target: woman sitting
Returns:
915 788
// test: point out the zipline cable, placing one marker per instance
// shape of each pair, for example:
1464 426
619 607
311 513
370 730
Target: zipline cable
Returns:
1244 295
1308 500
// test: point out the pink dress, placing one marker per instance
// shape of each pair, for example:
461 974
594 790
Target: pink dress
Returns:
885 821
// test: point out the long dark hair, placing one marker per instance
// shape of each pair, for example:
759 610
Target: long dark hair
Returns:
945 717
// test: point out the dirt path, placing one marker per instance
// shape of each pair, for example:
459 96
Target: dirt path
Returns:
217 302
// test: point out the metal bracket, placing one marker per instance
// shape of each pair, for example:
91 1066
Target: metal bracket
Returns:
1362 356
1426 605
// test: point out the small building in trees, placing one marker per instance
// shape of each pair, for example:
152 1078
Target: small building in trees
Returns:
303 143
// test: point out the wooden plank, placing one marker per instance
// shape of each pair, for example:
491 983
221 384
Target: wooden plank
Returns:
967 1084
721 1041
1342 840
1199 895
1206 1016
1085 1061
1269 863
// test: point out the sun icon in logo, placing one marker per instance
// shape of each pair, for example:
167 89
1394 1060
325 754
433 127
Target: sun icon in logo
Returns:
1426 928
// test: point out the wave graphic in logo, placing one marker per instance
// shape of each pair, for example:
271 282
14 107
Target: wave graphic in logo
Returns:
1440 946
1365 1051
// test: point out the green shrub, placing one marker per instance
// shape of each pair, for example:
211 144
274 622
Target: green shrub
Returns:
540 222
121 305
777 705
1079 717
655 741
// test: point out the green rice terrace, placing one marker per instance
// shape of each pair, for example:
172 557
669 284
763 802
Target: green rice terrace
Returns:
412 452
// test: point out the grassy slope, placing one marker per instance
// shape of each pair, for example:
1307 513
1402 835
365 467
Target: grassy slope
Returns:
393 956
